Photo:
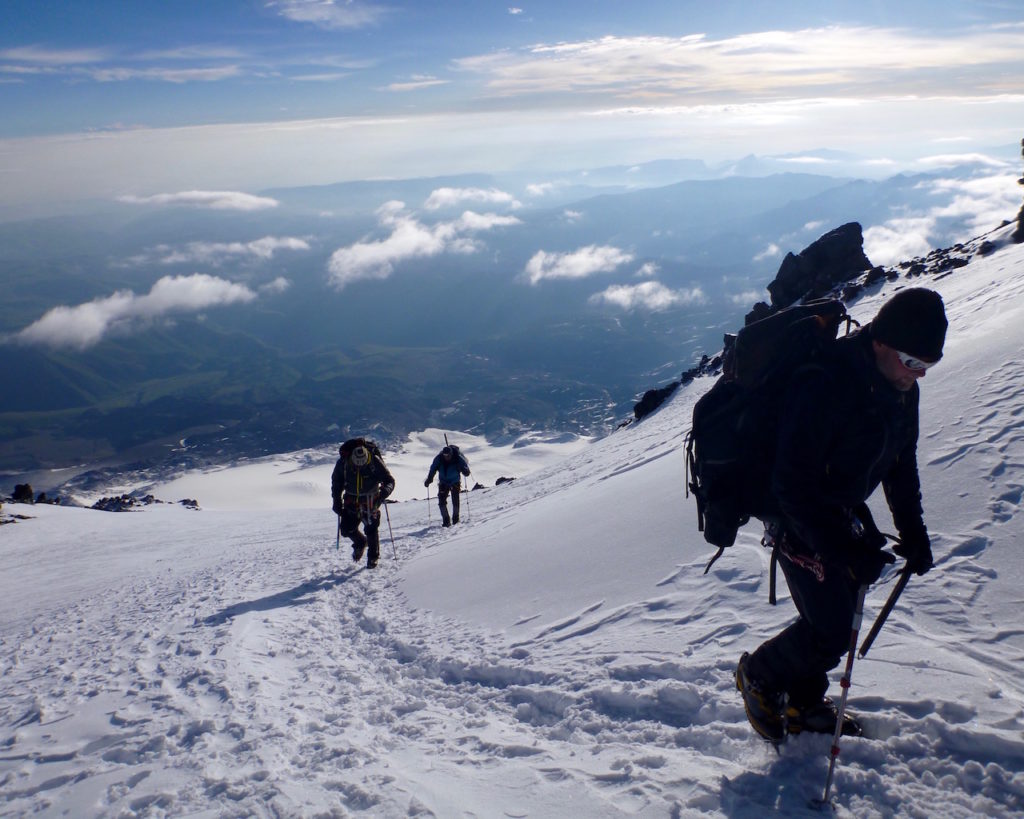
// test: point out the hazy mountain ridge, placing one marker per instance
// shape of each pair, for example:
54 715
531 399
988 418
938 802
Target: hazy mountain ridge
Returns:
457 337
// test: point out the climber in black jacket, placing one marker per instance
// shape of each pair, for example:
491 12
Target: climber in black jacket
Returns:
847 426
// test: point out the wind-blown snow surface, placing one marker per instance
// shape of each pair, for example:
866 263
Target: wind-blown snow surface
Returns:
559 653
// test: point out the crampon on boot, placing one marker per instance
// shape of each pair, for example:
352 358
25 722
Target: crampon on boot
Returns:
765 709
820 718
358 547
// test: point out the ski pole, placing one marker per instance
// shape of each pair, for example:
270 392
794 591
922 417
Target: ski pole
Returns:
858 616
897 590
387 514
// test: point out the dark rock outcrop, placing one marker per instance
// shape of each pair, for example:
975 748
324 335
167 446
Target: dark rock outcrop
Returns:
835 258
124 503
652 399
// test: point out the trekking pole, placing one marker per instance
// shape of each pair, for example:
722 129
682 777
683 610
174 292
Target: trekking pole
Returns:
337 546
466 492
858 616
387 514
428 503
897 590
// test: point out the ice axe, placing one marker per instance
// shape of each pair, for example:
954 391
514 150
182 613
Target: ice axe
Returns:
894 595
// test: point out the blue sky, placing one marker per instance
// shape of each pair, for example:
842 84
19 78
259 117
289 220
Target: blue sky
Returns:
105 98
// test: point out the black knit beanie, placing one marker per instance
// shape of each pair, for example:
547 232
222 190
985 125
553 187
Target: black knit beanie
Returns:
913 322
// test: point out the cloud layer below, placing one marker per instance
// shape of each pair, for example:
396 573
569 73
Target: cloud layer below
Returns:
215 200
652 296
578 264
87 324
978 204
409 239
215 252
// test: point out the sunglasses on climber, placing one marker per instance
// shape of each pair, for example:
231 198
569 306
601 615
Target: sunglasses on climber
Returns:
913 362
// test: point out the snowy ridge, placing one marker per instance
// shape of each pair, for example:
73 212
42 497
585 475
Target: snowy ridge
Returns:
559 653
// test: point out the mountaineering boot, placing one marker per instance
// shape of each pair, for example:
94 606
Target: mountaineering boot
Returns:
358 547
820 718
765 708
374 554
455 519
446 521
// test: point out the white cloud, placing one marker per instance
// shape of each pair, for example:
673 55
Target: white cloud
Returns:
572 215
331 77
174 75
976 205
749 297
952 160
760 64
86 324
193 52
409 239
540 188
452 197
53 57
215 252
470 221
982 203
648 269
514 10
805 160
278 285
899 239
769 252
415 83
651 295
575 265
329 14
215 200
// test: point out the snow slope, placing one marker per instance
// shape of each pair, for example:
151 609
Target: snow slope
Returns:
559 653
301 480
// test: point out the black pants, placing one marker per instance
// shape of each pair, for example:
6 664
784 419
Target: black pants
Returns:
797 660
353 512
443 490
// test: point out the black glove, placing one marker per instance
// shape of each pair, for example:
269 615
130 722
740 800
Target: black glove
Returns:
337 506
917 550
866 565
466 473
427 482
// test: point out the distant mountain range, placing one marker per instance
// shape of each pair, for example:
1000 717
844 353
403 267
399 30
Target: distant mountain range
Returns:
447 331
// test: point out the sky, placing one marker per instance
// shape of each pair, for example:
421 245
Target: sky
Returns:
558 653
122 98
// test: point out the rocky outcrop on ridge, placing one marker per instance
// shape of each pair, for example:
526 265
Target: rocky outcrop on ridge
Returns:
815 273
833 259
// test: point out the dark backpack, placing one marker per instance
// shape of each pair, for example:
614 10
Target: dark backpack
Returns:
730 448
457 454
345 450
